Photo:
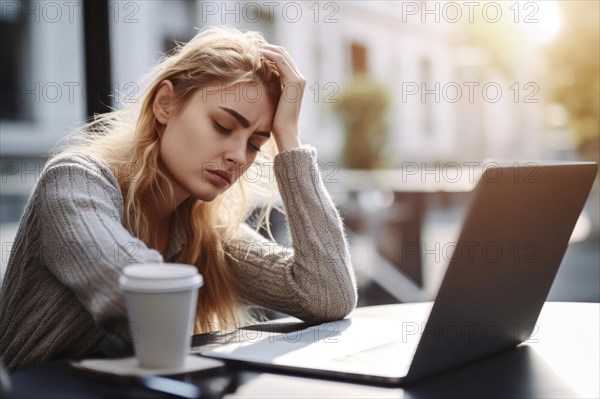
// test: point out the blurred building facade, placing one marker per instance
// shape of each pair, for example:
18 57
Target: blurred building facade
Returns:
448 103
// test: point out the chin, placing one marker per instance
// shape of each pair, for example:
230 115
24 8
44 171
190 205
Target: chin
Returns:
205 197
207 194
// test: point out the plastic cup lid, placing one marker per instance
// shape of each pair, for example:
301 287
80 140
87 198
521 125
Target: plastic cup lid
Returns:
160 277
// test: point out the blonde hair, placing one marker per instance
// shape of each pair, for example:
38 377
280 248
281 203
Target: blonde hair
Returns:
127 140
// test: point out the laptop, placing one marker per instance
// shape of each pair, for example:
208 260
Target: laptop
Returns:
513 239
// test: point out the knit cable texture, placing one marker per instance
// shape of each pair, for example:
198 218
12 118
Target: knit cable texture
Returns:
60 296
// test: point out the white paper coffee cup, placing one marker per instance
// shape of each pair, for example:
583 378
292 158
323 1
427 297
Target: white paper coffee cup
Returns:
161 306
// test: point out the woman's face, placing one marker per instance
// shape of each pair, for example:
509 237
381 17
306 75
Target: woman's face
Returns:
214 139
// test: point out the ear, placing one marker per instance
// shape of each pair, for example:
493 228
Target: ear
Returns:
162 102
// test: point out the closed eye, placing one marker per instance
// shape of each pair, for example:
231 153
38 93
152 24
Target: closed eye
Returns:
254 148
222 129
256 144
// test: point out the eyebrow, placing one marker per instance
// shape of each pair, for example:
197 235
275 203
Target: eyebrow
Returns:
244 122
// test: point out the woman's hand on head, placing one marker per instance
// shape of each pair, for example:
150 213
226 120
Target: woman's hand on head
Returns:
285 121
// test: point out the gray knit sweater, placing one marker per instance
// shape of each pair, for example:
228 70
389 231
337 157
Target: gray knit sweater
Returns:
60 296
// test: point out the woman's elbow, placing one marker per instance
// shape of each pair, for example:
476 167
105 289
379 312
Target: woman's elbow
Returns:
338 306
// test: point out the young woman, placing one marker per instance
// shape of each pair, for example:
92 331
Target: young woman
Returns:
169 179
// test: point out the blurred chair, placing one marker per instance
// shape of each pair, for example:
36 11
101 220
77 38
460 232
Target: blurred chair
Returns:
393 221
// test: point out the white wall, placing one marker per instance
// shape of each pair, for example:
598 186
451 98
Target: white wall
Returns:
56 90
137 30
395 49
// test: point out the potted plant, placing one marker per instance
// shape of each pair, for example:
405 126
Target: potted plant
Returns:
361 105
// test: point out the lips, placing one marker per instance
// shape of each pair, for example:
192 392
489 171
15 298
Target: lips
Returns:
222 173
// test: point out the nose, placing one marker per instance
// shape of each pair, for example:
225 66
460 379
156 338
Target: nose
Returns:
236 155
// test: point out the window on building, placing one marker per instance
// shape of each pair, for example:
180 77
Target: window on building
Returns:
14 53
428 100
359 58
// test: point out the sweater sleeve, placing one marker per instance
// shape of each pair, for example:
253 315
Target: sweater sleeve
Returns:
84 243
314 279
